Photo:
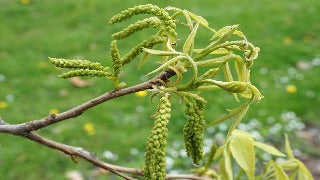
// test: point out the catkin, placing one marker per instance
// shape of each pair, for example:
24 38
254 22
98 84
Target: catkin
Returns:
76 64
164 16
153 22
84 72
116 61
155 151
134 52
193 131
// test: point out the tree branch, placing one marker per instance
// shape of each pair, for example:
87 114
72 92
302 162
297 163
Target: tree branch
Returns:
80 152
24 129
74 112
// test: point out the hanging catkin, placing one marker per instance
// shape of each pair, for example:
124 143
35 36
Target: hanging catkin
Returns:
155 151
193 130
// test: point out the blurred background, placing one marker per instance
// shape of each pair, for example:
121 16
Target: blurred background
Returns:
287 73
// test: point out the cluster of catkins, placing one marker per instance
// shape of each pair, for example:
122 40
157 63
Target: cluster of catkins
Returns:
161 20
155 151
194 129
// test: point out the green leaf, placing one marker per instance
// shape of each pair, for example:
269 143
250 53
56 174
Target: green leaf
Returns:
269 149
279 172
188 45
288 148
242 149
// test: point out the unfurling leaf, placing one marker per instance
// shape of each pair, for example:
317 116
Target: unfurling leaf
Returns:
161 53
228 77
217 51
199 19
188 45
288 148
279 172
226 165
303 172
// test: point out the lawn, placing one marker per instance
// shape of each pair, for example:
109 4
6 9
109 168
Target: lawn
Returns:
287 72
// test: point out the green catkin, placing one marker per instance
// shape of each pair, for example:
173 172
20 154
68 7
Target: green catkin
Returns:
193 131
84 72
153 22
164 16
116 61
76 64
134 52
155 151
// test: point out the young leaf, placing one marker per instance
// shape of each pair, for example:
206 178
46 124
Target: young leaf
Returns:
168 63
288 148
241 69
214 61
218 153
303 172
242 149
226 165
228 77
240 115
199 19
231 114
189 21
240 34
269 149
279 172
161 53
188 45
217 51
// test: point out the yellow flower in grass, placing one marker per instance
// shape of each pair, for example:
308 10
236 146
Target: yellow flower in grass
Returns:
25 1
54 111
291 88
3 104
141 93
287 40
89 128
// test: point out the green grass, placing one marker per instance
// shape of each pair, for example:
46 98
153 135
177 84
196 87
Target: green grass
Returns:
68 29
